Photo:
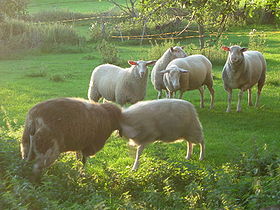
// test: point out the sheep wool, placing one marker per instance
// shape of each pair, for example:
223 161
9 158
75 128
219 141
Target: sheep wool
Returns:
164 120
189 73
66 124
242 70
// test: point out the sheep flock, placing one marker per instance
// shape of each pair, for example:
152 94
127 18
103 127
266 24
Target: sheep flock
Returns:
73 124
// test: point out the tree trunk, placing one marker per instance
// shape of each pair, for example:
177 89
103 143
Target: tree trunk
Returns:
201 35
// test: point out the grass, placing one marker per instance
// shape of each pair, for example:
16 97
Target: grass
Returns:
82 6
238 145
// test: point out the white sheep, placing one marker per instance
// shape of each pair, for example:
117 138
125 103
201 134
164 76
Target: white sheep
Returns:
169 55
164 120
189 73
119 85
66 124
242 70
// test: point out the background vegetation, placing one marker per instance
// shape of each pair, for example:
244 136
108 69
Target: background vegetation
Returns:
42 56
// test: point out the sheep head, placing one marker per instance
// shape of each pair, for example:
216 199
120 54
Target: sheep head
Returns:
173 74
140 67
235 53
178 52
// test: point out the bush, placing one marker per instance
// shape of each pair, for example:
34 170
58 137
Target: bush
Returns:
257 40
109 52
157 49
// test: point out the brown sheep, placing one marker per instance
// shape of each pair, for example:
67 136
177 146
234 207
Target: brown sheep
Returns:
66 124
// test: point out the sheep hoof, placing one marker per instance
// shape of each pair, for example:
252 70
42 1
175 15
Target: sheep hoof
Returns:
228 110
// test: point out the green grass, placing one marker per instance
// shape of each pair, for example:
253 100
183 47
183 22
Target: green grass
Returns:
165 179
82 6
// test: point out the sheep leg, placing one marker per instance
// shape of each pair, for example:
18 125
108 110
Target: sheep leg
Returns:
250 103
229 99
190 150
202 151
260 86
93 94
240 95
212 95
201 90
258 97
138 154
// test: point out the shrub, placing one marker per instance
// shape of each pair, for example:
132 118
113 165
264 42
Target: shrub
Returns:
257 40
157 49
109 52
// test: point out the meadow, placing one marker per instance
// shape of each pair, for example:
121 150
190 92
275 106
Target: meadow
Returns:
242 165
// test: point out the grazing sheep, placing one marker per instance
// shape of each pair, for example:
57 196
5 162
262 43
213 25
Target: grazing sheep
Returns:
242 70
164 120
66 124
189 73
156 76
119 85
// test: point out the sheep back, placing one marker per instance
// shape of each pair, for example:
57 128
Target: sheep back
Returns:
75 124
104 81
199 68
164 119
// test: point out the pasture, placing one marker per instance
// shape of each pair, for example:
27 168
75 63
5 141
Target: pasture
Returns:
241 169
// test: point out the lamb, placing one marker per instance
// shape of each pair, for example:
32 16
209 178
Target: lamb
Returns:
242 70
165 120
66 124
119 85
169 55
189 73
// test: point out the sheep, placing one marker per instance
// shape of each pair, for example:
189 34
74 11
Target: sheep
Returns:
189 73
66 124
164 120
169 55
119 85
242 70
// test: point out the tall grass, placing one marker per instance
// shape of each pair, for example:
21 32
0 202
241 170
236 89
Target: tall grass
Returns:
16 35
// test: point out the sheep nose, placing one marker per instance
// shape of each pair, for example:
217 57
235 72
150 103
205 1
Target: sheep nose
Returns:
141 74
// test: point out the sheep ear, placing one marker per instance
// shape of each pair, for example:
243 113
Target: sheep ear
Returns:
183 47
151 62
244 49
225 48
132 62
164 71
183 70
172 49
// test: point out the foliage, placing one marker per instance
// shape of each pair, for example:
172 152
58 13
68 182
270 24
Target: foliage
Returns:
157 49
13 8
260 11
257 40
109 52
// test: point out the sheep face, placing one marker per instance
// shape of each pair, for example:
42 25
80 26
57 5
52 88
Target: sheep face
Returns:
178 52
172 75
141 67
235 53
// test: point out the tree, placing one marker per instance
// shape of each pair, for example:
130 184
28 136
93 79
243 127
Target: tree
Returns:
209 15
